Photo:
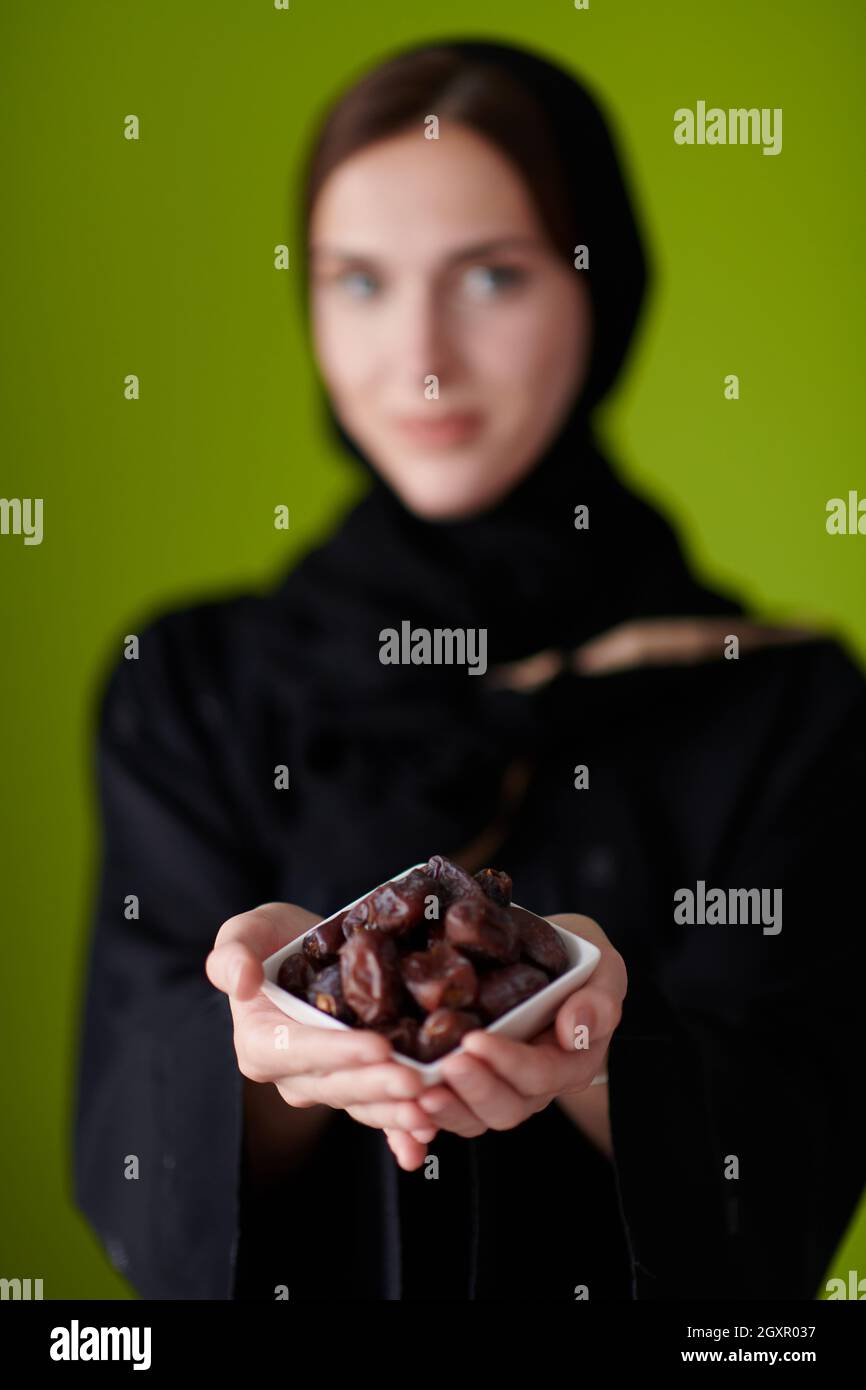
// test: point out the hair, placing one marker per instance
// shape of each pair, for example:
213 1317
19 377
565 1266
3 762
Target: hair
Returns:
452 85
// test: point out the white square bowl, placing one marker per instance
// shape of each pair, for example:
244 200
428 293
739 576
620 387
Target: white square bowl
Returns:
523 1022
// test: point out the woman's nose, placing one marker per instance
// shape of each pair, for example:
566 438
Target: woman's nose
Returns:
421 339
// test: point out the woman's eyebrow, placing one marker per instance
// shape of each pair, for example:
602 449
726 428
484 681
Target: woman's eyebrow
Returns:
463 253
339 254
486 248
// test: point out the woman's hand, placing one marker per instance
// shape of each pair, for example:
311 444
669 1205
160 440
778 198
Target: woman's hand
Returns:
351 1070
497 1083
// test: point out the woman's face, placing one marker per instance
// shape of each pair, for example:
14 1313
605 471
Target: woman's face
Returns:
450 336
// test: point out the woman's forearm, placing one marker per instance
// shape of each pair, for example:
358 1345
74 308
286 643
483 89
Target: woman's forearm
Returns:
278 1136
590 1111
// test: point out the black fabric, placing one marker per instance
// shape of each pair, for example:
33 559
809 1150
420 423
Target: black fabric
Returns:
318 1232
743 773
501 1218
433 741
549 1222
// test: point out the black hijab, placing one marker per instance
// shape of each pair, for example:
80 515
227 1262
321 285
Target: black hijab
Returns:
393 763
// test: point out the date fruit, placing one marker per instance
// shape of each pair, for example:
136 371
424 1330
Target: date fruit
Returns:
482 930
393 909
440 978
426 958
442 1030
504 989
325 992
402 1035
322 944
496 884
541 945
371 976
295 975
452 881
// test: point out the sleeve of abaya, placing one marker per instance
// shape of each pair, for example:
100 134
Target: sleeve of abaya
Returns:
159 1105
736 1076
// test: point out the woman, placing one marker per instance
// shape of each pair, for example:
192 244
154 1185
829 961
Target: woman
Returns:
604 752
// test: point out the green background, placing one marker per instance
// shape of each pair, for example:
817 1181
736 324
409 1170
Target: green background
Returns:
156 257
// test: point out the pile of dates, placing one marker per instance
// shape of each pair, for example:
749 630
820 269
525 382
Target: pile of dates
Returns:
427 958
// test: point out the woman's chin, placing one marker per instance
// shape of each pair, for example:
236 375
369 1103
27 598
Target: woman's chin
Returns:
449 506
449 498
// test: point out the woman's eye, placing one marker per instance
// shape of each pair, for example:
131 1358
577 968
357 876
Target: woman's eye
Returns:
486 281
359 283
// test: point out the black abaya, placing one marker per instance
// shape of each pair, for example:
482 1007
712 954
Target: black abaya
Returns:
733 1042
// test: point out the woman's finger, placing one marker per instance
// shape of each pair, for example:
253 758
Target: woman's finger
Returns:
598 1003
495 1103
409 1152
447 1110
358 1085
270 1045
587 1020
532 1070
402 1115
244 941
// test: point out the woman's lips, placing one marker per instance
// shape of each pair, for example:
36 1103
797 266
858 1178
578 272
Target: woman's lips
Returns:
441 430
